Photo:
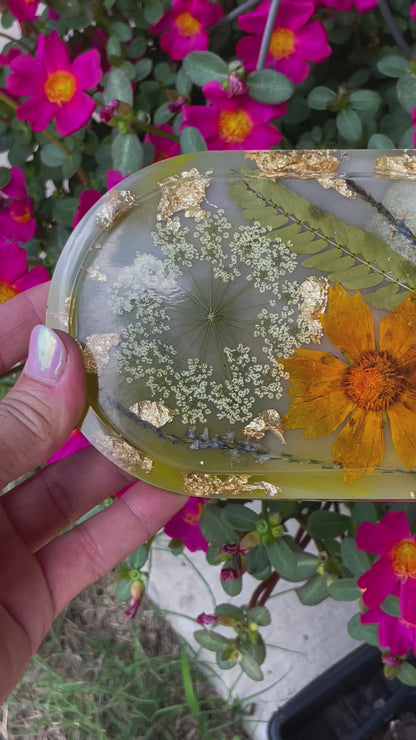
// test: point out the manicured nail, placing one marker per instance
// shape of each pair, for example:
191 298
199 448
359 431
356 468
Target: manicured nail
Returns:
47 355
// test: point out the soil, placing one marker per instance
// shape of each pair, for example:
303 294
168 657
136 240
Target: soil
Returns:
402 728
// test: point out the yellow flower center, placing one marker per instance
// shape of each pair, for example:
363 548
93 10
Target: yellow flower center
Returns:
187 24
282 43
60 87
234 125
20 212
404 559
6 292
193 518
374 381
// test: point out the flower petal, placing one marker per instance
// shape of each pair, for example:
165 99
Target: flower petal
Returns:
87 71
402 418
381 537
398 329
35 276
53 54
359 447
13 263
74 115
313 373
408 601
348 322
37 111
377 583
318 416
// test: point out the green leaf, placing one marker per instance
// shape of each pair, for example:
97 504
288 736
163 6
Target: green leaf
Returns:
190 694
210 640
306 565
365 100
52 156
229 610
260 615
254 646
214 529
71 164
232 588
344 589
222 663
118 87
113 47
65 211
314 591
138 557
153 11
380 141
356 560
191 140
391 606
143 68
123 590
327 524
282 558
363 632
364 511
257 560
269 86
127 153
407 674
349 125
251 668
320 97
393 66
5 177
406 92
239 517
162 115
204 66
121 31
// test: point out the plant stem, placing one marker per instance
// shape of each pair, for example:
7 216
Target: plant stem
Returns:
267 33
234 14
391 25
15 41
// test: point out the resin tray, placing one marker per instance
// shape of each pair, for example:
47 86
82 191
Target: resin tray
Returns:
248 325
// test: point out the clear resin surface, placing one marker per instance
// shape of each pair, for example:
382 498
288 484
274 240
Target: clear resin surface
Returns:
248 323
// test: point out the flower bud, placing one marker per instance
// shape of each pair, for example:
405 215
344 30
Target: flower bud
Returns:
206 619
262 526
107 112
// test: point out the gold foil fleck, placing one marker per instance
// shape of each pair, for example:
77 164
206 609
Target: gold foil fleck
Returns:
208 485
95 273
403 167
62 317
337 184
123 454
300 163
314 293
184 192
268 420
153 412
113 205
96 351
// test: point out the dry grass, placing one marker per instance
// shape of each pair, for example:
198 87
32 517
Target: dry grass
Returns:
99 675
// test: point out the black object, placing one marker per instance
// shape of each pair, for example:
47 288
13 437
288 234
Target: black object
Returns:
350 701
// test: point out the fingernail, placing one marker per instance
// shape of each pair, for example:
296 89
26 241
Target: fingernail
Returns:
47 355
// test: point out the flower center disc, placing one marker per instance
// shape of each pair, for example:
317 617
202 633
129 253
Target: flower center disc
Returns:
282 43
234 125
6 292
404 559
60 87
187 24
20 212
374 381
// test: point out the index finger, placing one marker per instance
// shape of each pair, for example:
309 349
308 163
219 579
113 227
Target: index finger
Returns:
18 316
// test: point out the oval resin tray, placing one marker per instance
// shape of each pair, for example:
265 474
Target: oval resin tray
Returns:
248 323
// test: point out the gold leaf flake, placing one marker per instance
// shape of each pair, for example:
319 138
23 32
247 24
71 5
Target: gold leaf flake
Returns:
113 205
95 273
300 163
62 317
96 351
267 420
184 192
123 454
209 485
403 167
314 292
337 184
153 412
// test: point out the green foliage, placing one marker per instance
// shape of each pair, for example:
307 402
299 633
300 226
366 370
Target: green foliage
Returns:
204 66
269 86
314 590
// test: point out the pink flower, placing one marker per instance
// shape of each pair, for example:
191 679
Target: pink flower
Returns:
55 86
183 27
294 41
164 148
75 442
395 570
136 594
394 634
185 525
236 122
16 209
89 197
23 10
14 274
361 5
413 11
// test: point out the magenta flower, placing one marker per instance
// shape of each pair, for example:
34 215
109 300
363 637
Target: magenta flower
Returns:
23 10
394 634
294 41
75 442
164 148
361 5
16 209
89 197
236 122
413 11
14 274
183 28
184 525
136 595
395 571
55 86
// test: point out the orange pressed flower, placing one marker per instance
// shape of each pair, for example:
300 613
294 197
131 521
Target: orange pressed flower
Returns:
377 379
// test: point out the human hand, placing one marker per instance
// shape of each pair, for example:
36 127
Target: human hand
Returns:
39 571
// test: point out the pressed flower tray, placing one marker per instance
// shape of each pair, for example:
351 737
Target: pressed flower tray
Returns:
248 325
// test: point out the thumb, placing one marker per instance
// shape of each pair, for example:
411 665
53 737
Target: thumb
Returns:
44 406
